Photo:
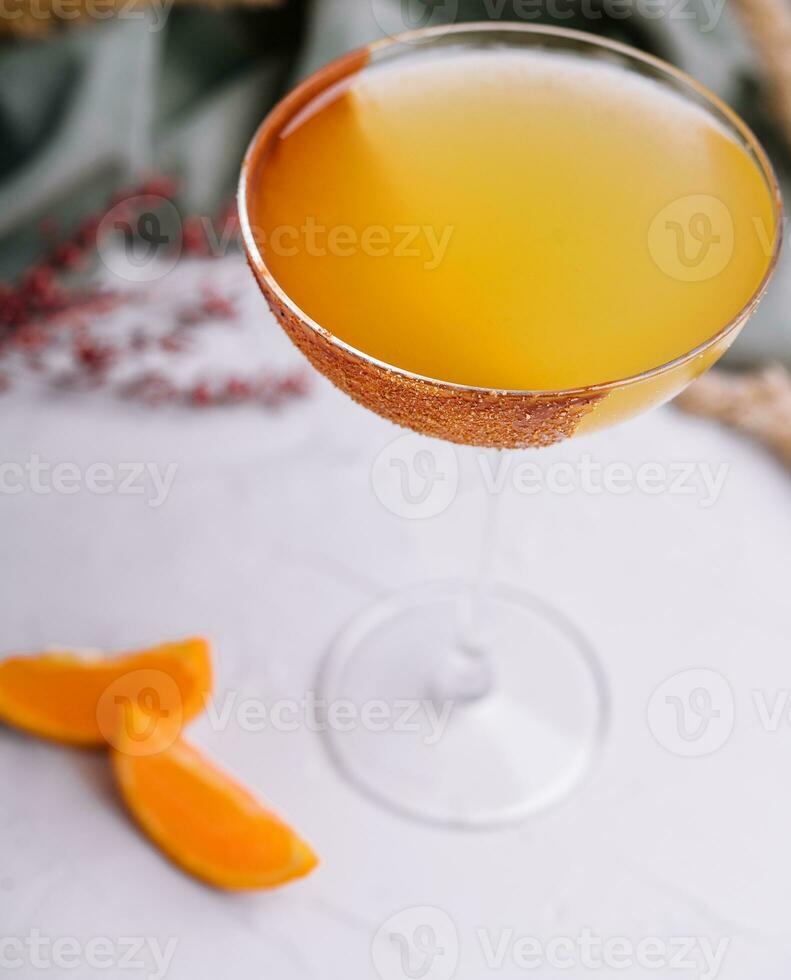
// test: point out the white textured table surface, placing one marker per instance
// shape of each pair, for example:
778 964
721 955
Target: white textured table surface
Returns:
270 539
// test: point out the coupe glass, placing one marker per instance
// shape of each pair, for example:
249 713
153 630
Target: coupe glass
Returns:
507 701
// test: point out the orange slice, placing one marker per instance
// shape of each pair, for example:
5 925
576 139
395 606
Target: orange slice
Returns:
68 698
203 820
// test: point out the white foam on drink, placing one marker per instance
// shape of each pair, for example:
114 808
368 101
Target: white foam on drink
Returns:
577 77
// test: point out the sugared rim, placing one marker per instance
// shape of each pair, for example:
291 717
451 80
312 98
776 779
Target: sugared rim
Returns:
354 61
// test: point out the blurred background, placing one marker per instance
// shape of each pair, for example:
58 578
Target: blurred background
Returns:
96 93
252 519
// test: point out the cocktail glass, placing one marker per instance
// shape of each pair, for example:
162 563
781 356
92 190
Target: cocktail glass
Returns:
502 701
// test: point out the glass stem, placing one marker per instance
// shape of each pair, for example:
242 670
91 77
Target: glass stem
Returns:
467 674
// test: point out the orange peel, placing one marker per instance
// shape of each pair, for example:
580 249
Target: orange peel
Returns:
68 698
202 819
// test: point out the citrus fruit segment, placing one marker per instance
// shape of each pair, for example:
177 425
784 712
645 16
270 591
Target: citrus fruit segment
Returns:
205 822
70 698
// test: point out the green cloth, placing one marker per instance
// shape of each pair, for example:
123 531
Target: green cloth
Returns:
94 107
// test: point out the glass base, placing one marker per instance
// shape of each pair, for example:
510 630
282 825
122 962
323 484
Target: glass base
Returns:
461 729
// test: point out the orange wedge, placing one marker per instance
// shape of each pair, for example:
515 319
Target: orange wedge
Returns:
203 820
68 698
